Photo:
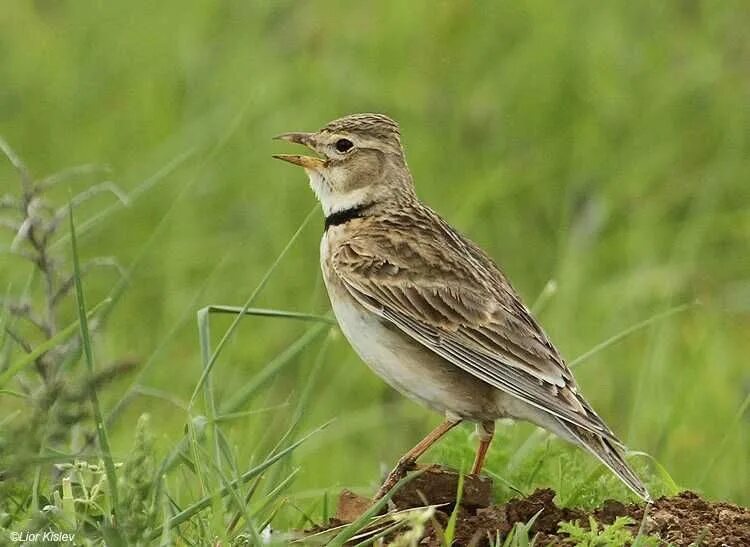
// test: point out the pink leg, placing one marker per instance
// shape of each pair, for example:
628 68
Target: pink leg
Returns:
408 459
486 431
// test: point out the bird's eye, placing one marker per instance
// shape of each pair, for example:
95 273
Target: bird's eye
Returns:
344 145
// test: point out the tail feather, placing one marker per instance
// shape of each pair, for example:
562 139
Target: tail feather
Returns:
610 455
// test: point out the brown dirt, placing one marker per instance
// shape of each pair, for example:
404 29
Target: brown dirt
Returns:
680 520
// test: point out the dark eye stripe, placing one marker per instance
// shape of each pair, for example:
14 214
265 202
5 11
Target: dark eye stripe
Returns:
343 145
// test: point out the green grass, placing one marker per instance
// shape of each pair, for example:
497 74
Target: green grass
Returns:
112 512
597 535
599 152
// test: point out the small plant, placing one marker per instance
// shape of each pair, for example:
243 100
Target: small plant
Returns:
450 528
138 488
520 534
47 390
609 535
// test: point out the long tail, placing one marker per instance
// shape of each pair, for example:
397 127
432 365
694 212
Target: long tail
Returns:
609 455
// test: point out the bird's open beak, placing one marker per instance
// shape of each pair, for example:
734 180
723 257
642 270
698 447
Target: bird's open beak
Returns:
308 162
305 139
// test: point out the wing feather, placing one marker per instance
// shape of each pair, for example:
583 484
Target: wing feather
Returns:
444 292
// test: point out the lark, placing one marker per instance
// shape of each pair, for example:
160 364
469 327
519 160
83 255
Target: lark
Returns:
427 309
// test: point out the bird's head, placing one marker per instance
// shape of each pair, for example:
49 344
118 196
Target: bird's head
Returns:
360 162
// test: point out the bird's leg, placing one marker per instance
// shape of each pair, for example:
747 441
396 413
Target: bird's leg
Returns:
485 430
408 459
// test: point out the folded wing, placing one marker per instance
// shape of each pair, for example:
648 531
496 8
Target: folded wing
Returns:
444 292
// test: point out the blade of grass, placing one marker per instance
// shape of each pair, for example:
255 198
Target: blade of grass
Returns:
549 290
142 188
241 397
450 528
265 312
204 337
378 534
305 396
5 319
669 482
305 518
509 485
73 172
194 446
377 521
630 330
271 496
264 280
166 536
324 509
13 394
179 451
519 534
250 493
272 515
183 319
101 431
241 507
307 390
227 453
204 502
159 394
348 532
205 345
9 418
15 161
237 415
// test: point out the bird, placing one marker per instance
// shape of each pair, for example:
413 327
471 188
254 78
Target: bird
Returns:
427 309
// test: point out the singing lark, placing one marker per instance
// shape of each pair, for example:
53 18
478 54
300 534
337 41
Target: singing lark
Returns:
427 309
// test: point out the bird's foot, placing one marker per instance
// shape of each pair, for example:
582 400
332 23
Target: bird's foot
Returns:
398 473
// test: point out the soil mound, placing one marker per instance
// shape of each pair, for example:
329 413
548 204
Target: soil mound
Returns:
681 520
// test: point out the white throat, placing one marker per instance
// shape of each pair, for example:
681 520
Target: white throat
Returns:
333 201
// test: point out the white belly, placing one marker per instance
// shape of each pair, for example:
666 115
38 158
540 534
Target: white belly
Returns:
384 351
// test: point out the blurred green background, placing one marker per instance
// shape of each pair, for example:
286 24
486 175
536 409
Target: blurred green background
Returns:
602 146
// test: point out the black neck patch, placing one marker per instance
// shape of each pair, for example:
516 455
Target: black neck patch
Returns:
342 217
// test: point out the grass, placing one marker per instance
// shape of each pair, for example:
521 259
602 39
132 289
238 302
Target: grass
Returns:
599 153
520 535
101 432
616 533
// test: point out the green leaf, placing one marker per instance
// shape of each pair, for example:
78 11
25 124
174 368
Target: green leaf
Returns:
101 430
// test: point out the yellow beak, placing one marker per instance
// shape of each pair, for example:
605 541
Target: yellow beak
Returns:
305 139
308 162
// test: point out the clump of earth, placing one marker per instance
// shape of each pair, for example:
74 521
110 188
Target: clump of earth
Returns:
681 520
